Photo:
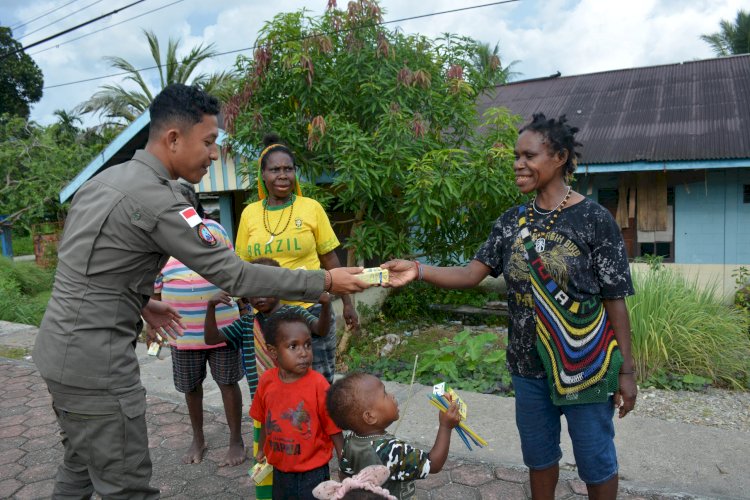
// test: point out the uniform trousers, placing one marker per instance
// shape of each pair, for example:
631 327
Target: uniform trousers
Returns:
106 443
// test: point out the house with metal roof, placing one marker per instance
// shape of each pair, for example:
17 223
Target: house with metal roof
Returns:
666 149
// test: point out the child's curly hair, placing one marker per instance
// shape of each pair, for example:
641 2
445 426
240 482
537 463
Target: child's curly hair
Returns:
271 328
344 402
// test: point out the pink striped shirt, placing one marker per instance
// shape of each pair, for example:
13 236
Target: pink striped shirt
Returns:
188 292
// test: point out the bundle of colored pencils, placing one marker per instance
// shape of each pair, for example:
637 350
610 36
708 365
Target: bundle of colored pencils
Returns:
465 432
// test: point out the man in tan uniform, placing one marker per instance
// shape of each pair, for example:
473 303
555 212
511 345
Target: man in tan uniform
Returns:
122 226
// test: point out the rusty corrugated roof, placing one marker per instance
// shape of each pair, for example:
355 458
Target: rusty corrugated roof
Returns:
698 110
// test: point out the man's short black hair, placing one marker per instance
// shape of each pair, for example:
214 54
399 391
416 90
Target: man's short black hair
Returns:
181 105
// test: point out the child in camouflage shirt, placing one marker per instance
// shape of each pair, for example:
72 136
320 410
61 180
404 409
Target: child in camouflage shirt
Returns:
359 403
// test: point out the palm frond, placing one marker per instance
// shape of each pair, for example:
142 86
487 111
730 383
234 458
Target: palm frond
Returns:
153 43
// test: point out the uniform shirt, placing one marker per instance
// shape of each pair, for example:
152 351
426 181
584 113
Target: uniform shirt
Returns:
188 292
242 335
404 462
585 254
307 233
294 417
122 226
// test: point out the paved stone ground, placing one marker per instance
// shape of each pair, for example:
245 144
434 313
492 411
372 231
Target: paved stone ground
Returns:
30 451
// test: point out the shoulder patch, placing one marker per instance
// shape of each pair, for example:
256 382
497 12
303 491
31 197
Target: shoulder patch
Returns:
191 216
205 235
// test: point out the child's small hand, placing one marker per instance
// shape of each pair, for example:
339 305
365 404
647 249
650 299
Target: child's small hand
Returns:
325 298
450 418
221 297
260 457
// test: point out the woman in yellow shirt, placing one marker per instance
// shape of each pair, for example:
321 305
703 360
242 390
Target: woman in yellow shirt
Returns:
295 231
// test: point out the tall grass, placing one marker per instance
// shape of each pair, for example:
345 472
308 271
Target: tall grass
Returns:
683 328
24 291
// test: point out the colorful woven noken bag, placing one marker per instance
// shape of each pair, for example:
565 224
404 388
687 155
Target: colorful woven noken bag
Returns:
575 340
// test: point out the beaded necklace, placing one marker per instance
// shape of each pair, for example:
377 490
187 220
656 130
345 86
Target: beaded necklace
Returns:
267 222
540 242
370 436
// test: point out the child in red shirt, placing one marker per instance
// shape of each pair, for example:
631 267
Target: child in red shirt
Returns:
296 434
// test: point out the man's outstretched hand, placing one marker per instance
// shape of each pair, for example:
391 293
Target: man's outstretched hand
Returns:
344 280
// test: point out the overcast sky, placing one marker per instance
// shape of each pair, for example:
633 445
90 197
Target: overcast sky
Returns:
545 36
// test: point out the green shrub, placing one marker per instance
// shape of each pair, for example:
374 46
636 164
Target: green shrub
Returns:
24 291
467 360
31 278
682 328
22 244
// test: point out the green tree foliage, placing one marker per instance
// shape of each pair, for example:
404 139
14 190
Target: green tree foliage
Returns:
119 105
391 118
36 162
21 79
733 37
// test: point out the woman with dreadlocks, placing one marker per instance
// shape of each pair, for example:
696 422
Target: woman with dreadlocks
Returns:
564 262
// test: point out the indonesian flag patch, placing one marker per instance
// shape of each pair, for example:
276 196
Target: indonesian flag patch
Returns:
191 216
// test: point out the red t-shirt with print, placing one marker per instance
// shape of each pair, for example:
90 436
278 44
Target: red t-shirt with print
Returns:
294 416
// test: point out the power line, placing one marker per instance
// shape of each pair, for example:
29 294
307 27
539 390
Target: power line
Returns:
105 28
58 20
70 29
21 25
451 11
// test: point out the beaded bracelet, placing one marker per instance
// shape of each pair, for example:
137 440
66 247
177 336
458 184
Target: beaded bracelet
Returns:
420 272
329 281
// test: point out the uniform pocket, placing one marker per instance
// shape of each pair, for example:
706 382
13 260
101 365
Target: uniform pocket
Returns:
135 446
95 440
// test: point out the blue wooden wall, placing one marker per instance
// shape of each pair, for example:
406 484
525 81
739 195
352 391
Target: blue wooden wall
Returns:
712 224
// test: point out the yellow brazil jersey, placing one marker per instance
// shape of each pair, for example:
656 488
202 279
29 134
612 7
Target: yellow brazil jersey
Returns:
302 229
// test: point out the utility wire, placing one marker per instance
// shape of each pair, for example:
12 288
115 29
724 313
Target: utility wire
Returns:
21 25
451 11
58 20
70 29
105 28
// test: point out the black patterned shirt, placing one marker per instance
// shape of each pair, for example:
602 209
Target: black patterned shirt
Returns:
584 252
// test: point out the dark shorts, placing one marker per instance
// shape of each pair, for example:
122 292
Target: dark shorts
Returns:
590 426
298 485
324 348
189 367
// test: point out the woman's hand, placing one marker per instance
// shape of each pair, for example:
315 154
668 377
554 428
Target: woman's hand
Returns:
400 272
163 316
626 394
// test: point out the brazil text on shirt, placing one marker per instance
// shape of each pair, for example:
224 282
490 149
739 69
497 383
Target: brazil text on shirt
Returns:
276 246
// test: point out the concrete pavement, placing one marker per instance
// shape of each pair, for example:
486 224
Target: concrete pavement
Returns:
657 459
